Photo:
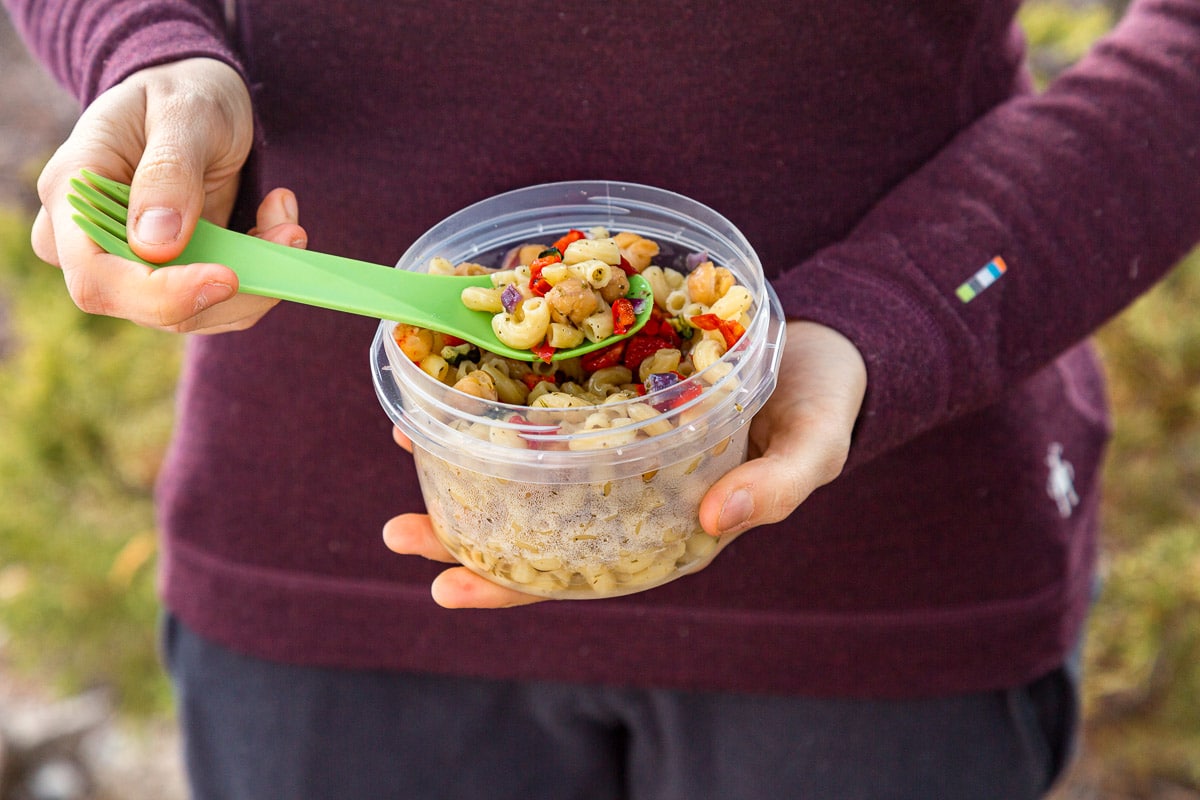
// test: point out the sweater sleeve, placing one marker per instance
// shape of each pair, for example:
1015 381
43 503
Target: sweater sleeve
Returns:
91 45
1089 192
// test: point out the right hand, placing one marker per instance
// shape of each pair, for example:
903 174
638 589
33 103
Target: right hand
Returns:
179 134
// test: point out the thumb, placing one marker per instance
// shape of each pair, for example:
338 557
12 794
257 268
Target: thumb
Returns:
767 489
166 198
804 433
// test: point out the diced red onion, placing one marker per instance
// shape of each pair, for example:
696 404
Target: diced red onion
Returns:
696 259
510 297
657 381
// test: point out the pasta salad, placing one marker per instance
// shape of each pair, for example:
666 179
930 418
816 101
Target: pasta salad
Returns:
548 297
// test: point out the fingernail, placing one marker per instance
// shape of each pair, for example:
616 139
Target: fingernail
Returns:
212 293
159 226
290 208
736 512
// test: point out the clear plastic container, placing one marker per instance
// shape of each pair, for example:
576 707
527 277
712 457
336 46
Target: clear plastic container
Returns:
607 511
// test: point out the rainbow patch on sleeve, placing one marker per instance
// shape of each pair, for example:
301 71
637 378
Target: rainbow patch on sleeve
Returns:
981 280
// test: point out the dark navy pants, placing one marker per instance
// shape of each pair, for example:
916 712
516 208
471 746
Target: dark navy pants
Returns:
256 730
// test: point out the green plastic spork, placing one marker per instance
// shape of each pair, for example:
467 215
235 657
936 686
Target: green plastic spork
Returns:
320 279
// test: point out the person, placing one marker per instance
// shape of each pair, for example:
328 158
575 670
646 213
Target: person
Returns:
899 616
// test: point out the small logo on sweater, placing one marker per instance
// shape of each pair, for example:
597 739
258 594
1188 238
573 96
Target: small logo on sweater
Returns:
1060 484
988 274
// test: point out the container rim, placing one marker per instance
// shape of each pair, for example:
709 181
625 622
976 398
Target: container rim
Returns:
427 410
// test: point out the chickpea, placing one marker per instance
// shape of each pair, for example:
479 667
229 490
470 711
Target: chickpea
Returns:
414 342
522 254
471 268
617 286
707 284
572 300
638 250
478 383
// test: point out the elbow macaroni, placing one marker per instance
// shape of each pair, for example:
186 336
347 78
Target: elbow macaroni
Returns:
526 326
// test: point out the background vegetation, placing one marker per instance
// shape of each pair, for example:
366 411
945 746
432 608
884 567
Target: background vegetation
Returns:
1142 658
86 412
87 407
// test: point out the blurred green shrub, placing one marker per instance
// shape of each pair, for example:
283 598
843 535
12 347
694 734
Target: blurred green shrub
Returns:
86 411
1142 673
1143 656
1061 31
1142 688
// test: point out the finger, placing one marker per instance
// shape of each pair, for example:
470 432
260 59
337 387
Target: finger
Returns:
41 237
402 440
277 222
166 298
215 306
461 588
55 237
412 534
277 208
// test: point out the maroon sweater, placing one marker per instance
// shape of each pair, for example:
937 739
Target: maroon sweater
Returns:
877 154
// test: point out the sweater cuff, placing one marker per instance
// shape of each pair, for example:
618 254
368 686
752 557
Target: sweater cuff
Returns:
907 357
135 45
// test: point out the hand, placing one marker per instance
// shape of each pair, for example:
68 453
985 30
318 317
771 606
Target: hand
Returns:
179 133
799 441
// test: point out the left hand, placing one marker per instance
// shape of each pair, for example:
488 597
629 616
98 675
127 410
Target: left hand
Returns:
799 442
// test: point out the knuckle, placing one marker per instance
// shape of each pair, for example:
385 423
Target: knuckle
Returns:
189 325
41 240
165 163
89 295
834 459
797 487
169 318
47 183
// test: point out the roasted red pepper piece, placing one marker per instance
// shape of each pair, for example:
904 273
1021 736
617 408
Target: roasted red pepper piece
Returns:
543 350
653 324
659 326
623 315
690 392
541 262
731 329
570 236
626 267
532 379
533 433
640 347
675 393
537 284
605 357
